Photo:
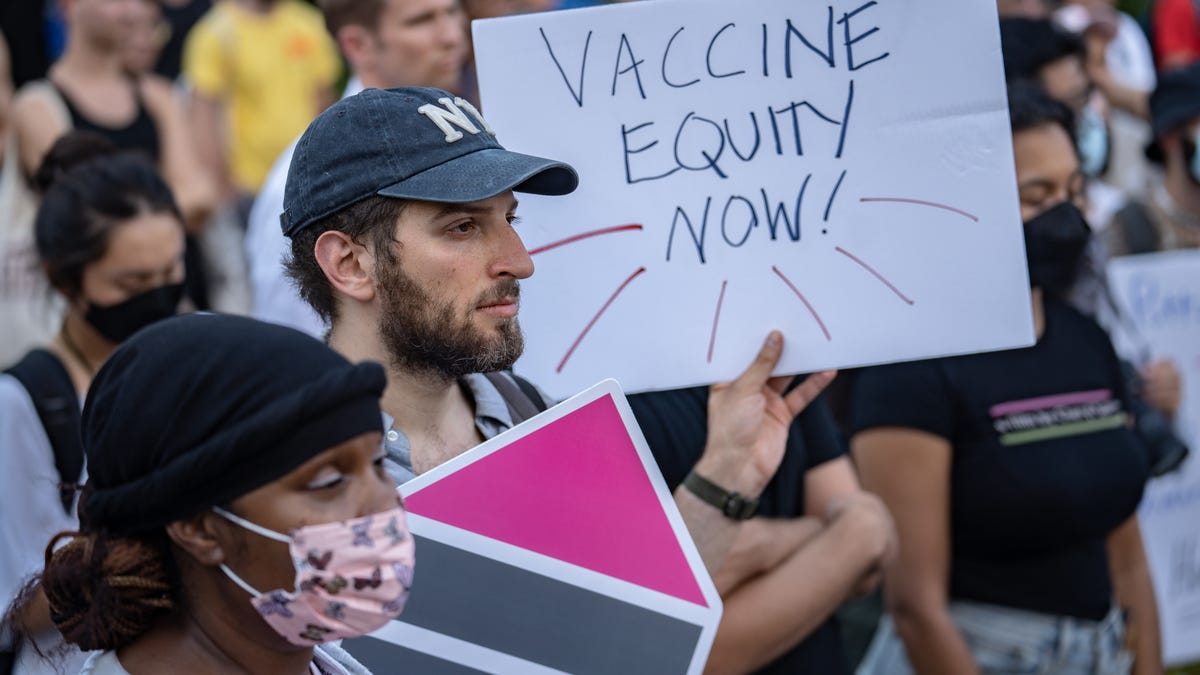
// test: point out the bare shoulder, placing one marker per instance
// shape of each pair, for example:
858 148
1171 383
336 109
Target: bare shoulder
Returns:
158 93
37 119
33 103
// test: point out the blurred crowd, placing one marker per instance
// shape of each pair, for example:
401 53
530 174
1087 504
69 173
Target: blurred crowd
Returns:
960 515
214 93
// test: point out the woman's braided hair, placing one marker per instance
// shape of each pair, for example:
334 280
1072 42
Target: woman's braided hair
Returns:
104 592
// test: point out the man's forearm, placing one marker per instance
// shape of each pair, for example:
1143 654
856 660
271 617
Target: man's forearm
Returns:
712 531
773 612
762 545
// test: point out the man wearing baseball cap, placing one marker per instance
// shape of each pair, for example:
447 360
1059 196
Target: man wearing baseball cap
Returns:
386 43
400 205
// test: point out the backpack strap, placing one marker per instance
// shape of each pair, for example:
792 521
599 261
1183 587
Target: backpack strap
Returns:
57 404
521 397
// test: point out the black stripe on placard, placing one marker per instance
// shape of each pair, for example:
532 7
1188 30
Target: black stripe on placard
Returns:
382 658
507 609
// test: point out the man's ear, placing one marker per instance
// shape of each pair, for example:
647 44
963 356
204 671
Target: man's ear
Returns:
346 265
199 537
356 43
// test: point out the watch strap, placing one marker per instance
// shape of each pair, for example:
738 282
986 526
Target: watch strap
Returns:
732 504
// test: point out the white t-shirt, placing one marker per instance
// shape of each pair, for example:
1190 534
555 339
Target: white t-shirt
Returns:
32 511
275 299
1129 57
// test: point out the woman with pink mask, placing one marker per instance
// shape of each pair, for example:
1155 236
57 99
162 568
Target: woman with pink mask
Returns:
237 517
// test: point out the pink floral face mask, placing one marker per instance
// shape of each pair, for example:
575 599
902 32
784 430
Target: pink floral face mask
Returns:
352 577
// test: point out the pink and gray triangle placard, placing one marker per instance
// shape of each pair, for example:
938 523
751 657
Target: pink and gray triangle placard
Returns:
552 548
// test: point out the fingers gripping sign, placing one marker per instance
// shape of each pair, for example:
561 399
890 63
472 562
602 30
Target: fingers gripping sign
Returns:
749 419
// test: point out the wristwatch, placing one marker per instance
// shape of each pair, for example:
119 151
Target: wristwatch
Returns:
732 504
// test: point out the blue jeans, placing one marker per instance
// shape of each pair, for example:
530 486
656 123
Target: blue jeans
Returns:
1008 641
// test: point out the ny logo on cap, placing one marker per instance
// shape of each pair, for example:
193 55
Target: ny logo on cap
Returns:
454 113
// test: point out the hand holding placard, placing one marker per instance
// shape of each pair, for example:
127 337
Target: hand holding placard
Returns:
1159 296
749 419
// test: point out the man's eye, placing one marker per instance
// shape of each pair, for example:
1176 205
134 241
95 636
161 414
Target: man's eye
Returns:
514 220
463 228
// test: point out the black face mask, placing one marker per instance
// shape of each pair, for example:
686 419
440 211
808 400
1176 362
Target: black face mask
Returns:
1055 241
117 323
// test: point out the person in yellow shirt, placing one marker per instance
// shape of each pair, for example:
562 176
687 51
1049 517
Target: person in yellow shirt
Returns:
259 70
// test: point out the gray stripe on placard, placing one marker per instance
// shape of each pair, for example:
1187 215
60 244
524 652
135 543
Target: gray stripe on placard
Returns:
381 658
507 609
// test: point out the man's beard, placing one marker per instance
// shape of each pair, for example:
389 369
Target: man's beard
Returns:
421 335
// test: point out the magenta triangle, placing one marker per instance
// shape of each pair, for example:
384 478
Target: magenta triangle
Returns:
574 490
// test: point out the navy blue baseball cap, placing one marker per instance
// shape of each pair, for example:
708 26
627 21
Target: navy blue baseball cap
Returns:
408 143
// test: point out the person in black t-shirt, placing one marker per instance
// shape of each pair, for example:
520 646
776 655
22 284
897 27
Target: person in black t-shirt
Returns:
1014 476
816 539
180 16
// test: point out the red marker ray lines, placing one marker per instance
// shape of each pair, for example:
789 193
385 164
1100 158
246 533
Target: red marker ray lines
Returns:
920 202
585 235
712 340
596 318
877 275
804 300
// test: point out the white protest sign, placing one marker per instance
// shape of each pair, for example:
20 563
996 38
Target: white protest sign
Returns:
554 547
840 170
1160 295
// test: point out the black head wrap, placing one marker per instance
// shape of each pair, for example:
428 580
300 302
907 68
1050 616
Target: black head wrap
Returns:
199 409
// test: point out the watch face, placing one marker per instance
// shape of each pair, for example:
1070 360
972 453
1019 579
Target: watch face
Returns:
731 504
738 507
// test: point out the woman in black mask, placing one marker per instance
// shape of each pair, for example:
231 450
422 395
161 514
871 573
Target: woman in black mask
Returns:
110 238
1014 476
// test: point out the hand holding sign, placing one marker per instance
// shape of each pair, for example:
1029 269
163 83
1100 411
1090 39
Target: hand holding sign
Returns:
749 419
1159 296
1162 385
